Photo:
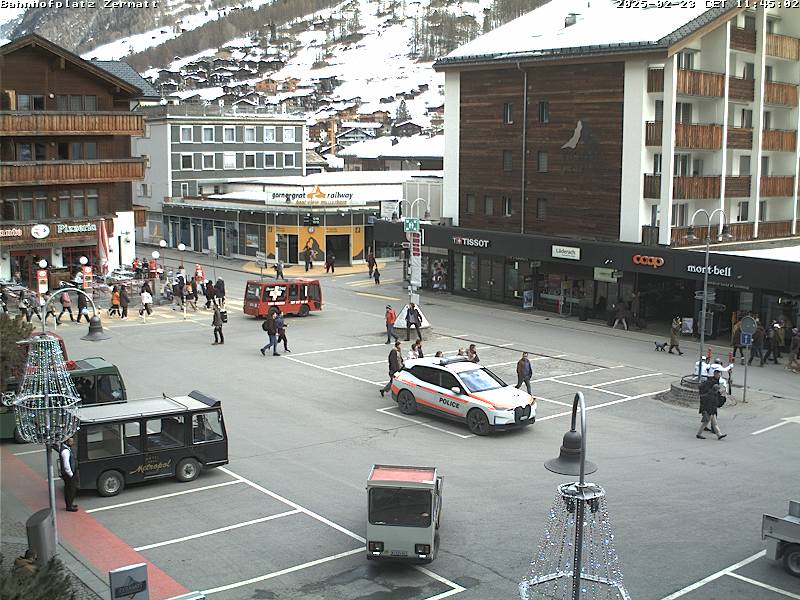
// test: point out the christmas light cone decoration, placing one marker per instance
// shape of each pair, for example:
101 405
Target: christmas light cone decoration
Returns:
554 565
47 402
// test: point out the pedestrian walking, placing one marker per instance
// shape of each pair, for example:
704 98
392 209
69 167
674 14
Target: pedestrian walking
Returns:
278 266
412 352
216 323
771 344
635 308
794 348
395 364
280 325
4 299
308 258
413 319
472 354
736 339
524 372
26 306
124 301
780 337
371 263
675 336
83 308
50 312
206 294
710 400
390 317
66 306
330 262
68 474
191 294
420 353
757 347
621 315
376 275
271 328
147 302
115 297
219 289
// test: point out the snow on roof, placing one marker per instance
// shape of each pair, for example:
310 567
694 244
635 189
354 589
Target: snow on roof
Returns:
416 146
334 162
786 253
211 93
349 178
600 23
372 148
360 125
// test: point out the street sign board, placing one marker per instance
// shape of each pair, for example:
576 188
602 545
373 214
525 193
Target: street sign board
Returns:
717 307
746 339
261 256
748 325
261 263
410 225
710 297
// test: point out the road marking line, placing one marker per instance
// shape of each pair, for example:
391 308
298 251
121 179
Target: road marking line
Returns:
306 565
386 410
343 276
372 362
764 585
597 385
604 404
331 370
338 349
503 364
369 282
589 387
782 423
714 576
381 296
184 492
218 530
456 588
29 452
327 522
552 401
556 377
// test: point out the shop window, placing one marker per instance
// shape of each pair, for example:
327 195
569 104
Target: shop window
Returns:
229 134
133 437
508 208
103 441
229 160
208 134
187 162
541 161
250 160
29 102
541 209
207 427
269 134
469 201
508 113
743 212
544 111
508 160
165 432
466 273
288 135
186 134
488 206
90 103
269 160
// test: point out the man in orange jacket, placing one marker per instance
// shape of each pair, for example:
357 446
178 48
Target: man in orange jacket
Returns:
391 317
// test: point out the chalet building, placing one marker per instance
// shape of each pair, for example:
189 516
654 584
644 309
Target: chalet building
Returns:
407 128
575 146
267 85
66 164
351 132
389 153
191 150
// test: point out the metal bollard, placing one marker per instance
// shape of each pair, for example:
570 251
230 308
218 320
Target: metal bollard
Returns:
41 537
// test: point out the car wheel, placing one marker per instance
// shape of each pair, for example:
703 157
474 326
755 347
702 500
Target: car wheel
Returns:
406 402
304 310
478 422
110 483
791 560
188 470
18 436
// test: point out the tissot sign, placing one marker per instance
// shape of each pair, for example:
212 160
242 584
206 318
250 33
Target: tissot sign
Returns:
470 241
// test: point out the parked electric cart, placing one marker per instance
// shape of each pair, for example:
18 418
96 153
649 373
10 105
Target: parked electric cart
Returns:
121 444
782 535
404 510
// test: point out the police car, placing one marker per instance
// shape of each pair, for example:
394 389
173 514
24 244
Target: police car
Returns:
464 391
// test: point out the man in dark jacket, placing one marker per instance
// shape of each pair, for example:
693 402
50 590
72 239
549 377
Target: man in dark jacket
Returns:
83 309
219 289
524 372
271 327
710 400
216 323
757 348
413 319
395 364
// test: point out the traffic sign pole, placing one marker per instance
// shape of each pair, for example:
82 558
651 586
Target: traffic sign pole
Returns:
748 328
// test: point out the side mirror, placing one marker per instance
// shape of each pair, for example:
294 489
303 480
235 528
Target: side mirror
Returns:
456 390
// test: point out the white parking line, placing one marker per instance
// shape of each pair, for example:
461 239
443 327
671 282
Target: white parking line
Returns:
329 523
456 588
597 385
161 497
332 370
556 377
771 427
552 401
604 404
338 349
714 576
764 585
218 530
372 362
386 410
312 563
589 387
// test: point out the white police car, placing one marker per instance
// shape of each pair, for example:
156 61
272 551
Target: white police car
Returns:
463 391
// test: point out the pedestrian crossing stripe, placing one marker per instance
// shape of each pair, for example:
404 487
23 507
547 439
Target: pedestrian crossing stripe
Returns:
369 282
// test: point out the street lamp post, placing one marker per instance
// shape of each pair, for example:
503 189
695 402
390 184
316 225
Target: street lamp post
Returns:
690 236
181 250
46 407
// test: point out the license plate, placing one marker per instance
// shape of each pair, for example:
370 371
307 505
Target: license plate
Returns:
398 553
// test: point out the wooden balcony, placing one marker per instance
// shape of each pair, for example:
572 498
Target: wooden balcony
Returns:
782 186
741 89
741 232
782 94
652 133
743 39
70 171
779 140
655 80
737 187
783 46
652 186
740 138
699 137
69 123
700 83
649 235
686 188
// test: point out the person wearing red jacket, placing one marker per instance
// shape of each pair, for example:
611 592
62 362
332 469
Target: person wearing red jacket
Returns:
391 317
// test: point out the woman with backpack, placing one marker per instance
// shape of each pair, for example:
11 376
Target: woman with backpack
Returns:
66 306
